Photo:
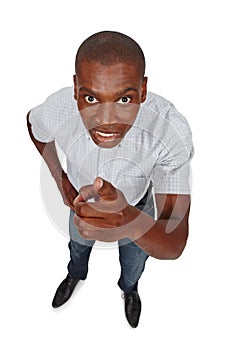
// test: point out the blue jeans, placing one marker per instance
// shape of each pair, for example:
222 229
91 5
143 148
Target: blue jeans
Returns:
132 258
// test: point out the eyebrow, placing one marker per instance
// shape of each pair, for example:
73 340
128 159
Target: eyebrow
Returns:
120 93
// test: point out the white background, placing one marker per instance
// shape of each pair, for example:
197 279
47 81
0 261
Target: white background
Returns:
187 303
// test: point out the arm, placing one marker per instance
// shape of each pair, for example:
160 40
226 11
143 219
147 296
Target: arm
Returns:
49 153
166 239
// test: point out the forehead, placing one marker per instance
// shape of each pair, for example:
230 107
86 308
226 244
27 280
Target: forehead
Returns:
96 75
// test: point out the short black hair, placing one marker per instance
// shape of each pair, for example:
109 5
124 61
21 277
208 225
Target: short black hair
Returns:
110 47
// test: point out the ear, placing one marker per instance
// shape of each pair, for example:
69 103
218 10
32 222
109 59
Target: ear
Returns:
144 89
75 87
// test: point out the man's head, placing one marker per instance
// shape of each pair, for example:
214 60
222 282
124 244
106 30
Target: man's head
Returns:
109 85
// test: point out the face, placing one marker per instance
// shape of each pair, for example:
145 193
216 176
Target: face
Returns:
108 98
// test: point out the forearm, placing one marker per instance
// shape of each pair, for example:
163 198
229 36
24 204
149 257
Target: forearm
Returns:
48 152
161 239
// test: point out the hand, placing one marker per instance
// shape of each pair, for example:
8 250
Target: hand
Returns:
107 218
67 190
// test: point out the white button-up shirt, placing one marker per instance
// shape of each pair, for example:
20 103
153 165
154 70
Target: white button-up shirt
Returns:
157 148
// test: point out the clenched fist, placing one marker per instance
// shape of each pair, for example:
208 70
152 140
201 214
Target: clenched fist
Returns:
107 219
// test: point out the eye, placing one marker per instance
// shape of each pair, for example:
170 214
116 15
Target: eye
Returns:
124 100
90 99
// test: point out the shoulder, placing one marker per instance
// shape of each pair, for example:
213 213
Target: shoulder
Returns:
60 95
56 112
162 118
62 100
60 109
155 101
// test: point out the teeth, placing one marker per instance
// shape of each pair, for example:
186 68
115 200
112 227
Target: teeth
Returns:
104 135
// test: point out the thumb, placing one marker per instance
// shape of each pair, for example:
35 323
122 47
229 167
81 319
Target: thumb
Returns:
85 193
105 189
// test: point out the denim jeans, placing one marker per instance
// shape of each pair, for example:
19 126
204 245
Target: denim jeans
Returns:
132 258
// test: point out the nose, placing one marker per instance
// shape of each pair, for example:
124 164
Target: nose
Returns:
106 114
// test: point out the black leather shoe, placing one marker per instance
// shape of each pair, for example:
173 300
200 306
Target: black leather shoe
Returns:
132 308
64 291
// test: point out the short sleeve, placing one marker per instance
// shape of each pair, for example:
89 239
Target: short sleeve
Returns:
172 170
41 128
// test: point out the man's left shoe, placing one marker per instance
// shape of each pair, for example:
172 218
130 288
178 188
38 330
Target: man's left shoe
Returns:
132 308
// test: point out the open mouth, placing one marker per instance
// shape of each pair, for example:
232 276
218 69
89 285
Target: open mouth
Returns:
105 136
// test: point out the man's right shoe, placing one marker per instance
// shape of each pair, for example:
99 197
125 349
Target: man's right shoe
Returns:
64 291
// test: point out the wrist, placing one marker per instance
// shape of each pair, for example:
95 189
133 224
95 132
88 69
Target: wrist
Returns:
131 226
141 224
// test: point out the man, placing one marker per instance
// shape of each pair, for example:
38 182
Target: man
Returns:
126 149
